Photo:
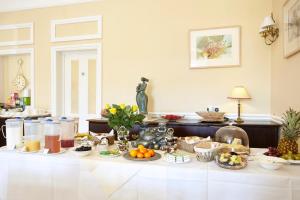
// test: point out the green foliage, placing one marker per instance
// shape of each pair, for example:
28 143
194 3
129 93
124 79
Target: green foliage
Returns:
291 125
123 115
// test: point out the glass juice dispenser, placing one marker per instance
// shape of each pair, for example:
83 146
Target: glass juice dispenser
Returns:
68 130
52 136
32 135
14 133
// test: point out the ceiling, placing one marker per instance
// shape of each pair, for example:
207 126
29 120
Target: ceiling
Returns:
15 5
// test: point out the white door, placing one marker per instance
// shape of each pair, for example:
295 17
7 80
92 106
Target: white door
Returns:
80 87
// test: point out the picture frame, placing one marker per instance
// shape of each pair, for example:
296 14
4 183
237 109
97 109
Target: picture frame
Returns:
291 20
215 47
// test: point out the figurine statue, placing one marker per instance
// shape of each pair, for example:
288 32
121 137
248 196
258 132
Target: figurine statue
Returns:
141 96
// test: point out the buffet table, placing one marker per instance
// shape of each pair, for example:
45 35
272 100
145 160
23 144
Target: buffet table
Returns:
67 177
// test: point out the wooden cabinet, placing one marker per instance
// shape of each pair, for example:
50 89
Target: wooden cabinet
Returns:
262 134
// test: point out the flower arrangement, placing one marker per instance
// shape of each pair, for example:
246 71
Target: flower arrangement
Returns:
122 115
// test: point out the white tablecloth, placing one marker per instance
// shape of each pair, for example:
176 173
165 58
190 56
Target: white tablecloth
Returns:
67 177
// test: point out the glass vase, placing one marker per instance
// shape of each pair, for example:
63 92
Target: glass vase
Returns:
123 138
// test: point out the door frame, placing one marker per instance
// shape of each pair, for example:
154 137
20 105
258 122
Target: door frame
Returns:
81 47
30 52
67 80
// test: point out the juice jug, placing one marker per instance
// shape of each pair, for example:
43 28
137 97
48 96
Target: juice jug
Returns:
68 131
32 138
14 133
52 136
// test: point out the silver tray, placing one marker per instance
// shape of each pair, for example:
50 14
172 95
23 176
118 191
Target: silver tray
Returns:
157 156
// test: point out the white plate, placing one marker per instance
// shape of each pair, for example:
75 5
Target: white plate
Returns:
80 153
28 152
109 155
296 162
61 151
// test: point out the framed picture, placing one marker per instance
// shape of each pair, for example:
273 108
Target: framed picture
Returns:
218 47
291 15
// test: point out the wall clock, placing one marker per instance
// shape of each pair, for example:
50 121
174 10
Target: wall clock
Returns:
19 82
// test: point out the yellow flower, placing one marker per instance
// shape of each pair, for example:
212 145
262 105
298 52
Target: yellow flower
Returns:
107 106
113 111
134 108
122 106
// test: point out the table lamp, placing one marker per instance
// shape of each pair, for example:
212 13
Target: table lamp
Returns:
239 93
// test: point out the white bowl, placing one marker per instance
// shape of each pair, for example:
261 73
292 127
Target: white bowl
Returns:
271 163
81 153
205 154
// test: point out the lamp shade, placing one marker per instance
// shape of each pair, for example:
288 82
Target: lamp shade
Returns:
268 21
239 92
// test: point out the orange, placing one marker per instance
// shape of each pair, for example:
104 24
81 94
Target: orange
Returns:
140 155
147 155
140 146
152 152
133 153
143 150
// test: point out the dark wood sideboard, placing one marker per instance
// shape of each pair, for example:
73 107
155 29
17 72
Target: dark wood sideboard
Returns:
262 134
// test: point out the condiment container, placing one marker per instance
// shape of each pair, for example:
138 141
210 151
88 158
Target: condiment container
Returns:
68 131
14 133
52 135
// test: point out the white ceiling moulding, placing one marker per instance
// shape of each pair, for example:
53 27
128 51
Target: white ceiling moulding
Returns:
5 27
78 20
17 5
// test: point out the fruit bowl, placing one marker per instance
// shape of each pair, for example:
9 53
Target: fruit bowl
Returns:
172 117
227 159
142 154
272 151
127 156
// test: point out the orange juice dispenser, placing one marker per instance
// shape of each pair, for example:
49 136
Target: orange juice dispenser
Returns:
32 135
52 135
68 131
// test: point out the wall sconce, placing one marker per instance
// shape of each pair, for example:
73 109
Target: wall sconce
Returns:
268 30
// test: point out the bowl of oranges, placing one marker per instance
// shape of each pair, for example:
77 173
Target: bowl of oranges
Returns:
142 154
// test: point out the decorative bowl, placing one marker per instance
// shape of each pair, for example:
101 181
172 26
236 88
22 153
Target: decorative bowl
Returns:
172 117
211 116
80 153
206 151
271 162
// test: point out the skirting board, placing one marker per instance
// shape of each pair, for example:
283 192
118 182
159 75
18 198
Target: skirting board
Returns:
231 116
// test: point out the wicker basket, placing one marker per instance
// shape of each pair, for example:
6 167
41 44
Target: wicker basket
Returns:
212 116
183 145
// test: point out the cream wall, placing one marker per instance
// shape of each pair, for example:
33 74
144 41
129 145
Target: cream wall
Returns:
9 69
151 38
285 73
